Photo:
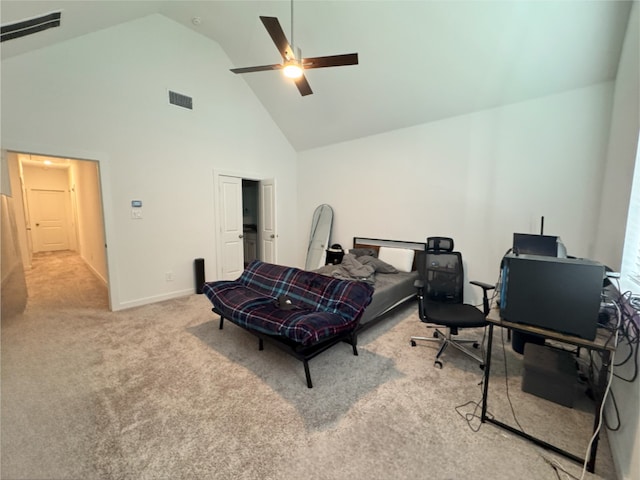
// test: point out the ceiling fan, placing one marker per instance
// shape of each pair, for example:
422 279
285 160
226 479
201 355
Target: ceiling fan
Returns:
293 66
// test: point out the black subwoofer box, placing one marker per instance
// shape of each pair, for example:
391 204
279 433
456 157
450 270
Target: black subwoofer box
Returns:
550 374
198 265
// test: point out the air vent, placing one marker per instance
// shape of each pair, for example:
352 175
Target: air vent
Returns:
29 26
180 100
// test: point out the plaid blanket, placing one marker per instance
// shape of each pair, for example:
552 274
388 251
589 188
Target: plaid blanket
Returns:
322 306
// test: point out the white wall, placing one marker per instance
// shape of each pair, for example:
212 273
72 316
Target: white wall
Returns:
85 186
478 178
14 175
14 288
621 158
13 285
103 97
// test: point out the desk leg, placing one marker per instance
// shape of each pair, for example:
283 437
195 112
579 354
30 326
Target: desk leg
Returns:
487 373
603 378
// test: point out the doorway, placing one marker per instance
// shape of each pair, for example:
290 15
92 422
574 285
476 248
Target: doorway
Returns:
247 223
250 206
59 211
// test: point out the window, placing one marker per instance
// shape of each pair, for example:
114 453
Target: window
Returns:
630 274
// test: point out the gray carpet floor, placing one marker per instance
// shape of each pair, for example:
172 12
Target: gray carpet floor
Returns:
159 392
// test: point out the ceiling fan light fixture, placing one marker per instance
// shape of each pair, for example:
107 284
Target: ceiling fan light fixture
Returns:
293 66
292 70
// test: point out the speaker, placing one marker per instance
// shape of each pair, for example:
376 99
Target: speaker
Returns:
198 264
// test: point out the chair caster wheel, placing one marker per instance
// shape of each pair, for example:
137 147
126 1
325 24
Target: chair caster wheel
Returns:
435 334
438 364
482 367
476 344
413 343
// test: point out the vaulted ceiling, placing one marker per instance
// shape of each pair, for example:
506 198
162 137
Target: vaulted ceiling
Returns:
419 61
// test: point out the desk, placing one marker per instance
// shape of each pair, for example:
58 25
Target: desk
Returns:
599 344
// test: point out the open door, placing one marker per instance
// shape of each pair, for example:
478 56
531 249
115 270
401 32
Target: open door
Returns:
232 246
267 222
231 239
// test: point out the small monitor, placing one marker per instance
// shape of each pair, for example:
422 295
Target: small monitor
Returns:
529 244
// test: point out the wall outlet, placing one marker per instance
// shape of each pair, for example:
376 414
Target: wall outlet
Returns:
136 213
168 276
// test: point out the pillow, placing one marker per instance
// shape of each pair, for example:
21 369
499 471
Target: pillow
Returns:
401 258
377 264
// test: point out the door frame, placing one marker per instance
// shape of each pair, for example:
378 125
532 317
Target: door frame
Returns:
105 193
217 173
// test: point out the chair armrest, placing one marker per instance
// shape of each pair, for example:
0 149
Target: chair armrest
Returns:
483 285
485 298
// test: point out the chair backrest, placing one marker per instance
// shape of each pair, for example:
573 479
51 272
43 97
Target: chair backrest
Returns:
444 244
444 273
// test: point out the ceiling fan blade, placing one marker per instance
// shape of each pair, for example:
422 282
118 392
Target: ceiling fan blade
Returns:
303 86
277 35
330 61
261 68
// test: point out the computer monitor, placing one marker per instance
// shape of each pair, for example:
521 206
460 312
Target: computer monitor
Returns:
529 244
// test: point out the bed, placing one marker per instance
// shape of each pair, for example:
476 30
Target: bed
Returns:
390 289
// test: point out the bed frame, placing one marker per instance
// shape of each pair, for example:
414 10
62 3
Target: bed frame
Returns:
375 244
304 354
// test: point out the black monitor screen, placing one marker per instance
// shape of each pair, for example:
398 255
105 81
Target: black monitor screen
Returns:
528 244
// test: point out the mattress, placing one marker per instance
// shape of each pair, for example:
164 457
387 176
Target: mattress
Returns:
391 289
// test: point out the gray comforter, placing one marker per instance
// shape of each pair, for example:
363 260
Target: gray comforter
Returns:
362 269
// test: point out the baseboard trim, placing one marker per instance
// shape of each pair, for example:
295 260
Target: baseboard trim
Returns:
154 299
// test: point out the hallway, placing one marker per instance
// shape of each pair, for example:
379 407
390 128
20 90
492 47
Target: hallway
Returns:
61 280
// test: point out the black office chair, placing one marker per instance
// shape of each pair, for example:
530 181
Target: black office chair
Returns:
440 298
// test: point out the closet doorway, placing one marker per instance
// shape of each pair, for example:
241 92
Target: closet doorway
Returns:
247 223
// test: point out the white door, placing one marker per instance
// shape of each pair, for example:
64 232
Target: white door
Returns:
267 221
232 247
49 220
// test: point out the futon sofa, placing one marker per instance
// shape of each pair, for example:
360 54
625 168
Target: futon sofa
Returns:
302 312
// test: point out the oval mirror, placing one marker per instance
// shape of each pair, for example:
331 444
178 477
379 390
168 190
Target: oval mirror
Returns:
319 237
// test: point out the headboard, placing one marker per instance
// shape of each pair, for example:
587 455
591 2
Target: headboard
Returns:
376 243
